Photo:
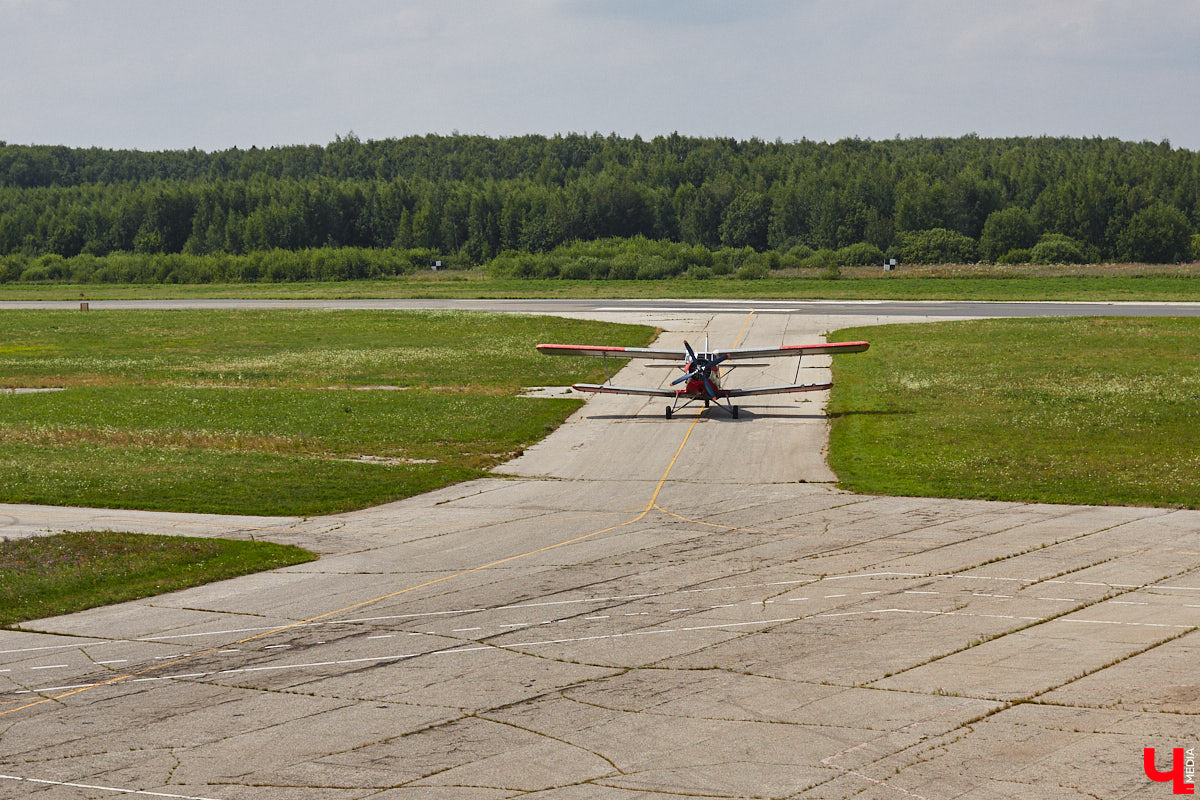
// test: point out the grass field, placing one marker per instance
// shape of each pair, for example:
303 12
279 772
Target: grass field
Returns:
1100 411
943 282
278 412
51 575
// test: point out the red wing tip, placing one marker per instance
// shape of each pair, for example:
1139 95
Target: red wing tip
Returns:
576 347
863 345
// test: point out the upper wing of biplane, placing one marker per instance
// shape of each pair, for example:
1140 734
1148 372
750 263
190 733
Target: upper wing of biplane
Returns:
830 348
607 352
827 349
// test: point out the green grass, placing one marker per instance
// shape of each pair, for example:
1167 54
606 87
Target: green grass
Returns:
274 412
1094 283
50 575
1099 411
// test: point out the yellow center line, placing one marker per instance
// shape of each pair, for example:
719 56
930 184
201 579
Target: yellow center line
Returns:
650 506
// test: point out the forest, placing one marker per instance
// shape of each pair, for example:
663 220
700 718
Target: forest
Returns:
574 205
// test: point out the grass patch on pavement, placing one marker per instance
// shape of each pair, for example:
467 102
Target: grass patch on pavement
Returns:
273 412
50 575
1098 411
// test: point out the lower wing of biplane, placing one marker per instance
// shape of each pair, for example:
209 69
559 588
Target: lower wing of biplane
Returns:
701 379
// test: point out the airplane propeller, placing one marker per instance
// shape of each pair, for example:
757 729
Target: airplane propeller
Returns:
701 369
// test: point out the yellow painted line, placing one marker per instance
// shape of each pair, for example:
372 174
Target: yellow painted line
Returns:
745 322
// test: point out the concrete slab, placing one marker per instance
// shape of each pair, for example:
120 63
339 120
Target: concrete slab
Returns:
635 608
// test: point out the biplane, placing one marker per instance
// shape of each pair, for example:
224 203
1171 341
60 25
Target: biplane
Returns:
702 372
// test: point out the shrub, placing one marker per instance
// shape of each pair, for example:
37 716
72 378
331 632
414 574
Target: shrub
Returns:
1056 248
936 246
862 254
821 259
1020 255
752 272
1005 231
1157 234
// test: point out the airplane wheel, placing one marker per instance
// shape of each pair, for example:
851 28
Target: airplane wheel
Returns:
734 410
669 412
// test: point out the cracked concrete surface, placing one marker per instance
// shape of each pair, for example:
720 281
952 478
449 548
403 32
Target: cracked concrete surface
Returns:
579 627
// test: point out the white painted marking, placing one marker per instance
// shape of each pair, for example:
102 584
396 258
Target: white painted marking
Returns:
915 591
115 661
93 788
58 688
796 599
877 591
830 596
276 646
1059 599
463 630
52 666
382 636
673 611
1127 603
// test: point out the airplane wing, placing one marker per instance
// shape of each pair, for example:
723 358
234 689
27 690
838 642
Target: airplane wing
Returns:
608 352
792 387
828 349
609 389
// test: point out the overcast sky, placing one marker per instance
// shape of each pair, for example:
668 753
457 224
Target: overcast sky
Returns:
158 74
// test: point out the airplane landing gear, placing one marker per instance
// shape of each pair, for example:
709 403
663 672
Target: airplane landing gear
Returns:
669 412
733 411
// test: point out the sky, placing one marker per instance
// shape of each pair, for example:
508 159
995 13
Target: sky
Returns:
164 74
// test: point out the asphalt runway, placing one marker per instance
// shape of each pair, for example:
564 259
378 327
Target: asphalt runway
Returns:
635 608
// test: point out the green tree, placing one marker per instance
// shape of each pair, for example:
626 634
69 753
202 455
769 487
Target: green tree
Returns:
1010 229
746 220
1156 235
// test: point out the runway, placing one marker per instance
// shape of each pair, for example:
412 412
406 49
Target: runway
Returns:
636 608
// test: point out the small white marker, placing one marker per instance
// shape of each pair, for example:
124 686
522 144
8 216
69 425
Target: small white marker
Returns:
52 666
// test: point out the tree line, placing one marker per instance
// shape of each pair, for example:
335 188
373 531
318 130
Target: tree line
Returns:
476 200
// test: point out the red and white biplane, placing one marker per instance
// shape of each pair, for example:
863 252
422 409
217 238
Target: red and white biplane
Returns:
701 379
